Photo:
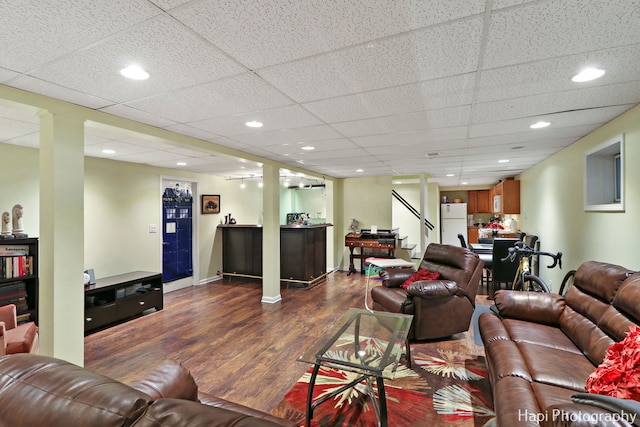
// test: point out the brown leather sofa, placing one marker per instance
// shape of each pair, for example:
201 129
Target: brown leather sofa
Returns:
42 391
542 347
441 307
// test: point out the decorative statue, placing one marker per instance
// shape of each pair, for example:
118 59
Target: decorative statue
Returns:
16 219
5 224
355 225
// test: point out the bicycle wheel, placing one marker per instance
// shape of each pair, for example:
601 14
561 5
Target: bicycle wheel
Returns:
567 282
535 284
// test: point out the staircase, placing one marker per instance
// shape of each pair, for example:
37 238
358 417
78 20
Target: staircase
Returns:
404 249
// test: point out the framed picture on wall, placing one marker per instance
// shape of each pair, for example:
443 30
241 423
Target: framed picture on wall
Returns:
210 204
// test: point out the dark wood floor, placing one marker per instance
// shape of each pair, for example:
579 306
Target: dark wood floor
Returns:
236 347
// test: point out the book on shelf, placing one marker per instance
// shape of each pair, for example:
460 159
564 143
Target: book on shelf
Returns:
13 250
15 266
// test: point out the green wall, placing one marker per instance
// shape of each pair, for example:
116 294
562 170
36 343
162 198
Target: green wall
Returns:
552 204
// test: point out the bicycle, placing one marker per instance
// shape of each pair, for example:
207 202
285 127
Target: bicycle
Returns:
523 279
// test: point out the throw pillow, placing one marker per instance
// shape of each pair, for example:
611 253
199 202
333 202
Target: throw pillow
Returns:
420 275
619 373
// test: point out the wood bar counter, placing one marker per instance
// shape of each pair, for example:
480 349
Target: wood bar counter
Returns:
303 252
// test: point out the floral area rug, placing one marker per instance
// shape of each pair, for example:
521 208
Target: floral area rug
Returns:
442 388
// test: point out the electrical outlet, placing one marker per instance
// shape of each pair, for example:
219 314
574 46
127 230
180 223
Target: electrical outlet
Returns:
153 228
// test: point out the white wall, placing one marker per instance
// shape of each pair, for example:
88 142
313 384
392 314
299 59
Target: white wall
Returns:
552 200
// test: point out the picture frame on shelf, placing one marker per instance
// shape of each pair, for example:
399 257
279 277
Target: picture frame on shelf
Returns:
210 204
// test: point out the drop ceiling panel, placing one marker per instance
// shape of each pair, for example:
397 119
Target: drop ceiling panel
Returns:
172 55
428 95
550 103
554 74
289 29
556 28
54 90
290 116
137 115
121 149
55 28
289 136
436 52
423 136
446 117
239 94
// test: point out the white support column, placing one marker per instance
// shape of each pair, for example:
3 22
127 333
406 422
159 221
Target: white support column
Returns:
271 235
61 251
424 231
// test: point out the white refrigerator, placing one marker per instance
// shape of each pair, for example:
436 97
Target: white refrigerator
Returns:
453 221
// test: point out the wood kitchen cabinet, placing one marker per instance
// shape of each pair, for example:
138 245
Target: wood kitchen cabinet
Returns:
509 191
478 202
472 234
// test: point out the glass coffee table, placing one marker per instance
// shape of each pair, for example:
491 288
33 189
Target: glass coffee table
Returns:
367 343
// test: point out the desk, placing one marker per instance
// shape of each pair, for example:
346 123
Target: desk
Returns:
381 243
368 344
382 263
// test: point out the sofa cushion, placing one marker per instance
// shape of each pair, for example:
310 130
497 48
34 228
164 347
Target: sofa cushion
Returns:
535 333
556 367
420 275
587 336
600 279
178 413
627 297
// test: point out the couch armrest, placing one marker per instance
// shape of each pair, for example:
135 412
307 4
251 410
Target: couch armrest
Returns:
169 379
626 408
8 315
394 277
207 399
538 307
435 289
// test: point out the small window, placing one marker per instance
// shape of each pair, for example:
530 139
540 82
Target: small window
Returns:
604 176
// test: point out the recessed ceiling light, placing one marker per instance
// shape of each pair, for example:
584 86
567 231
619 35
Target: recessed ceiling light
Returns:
503 161
359 170
134 72
464 183
587 75
450 174
254 124
181 164
308 148
539 125
108 151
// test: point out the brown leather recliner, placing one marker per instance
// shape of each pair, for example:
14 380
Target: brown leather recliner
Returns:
442 307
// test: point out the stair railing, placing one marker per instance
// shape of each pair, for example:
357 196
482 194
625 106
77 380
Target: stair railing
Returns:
413 210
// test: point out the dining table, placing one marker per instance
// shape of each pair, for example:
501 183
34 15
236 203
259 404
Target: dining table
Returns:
485 253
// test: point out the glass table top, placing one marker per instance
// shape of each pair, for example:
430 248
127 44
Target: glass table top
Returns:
362 341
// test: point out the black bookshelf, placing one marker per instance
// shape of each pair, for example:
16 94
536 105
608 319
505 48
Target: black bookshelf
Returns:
20 285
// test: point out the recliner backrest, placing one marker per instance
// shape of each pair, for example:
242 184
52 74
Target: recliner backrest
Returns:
452 262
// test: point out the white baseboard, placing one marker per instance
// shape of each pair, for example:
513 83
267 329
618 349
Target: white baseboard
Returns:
210 279
271 300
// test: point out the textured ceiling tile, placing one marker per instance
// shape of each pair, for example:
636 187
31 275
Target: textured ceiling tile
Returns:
424 136
53 90
561 27
6 74
260 33
173 56
433 119
192 132
57 27
289 136
427 95
120 148
539 105
137 115
291 116
10 128
554 74
239 94
432 53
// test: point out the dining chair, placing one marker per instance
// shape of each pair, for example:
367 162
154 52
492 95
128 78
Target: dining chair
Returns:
463 243
502 272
